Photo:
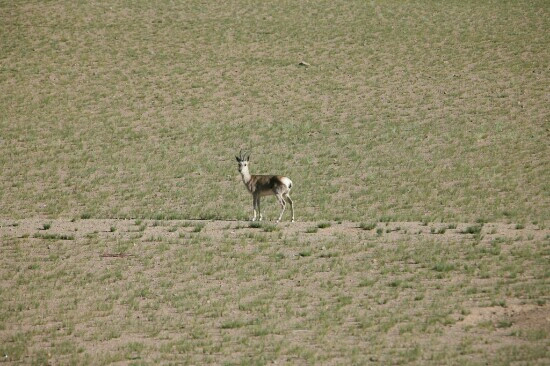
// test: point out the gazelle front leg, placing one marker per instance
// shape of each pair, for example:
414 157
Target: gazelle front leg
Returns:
258 206
254 199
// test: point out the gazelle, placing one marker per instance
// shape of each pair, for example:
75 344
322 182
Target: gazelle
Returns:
265 185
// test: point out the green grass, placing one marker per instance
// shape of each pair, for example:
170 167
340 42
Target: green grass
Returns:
400 115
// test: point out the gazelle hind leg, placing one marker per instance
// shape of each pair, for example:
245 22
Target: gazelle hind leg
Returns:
283 205
286 195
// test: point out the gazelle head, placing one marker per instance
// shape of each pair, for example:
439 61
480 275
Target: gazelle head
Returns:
243 161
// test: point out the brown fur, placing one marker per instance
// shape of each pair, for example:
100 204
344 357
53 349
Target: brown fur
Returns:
265 185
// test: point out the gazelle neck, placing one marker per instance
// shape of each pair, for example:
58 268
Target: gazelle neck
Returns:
245 175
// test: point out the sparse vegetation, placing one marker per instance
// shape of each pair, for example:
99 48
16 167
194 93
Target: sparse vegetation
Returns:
323 277
125 117
447 137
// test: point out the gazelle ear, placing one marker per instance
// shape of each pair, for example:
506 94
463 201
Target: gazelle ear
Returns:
248 157
239 160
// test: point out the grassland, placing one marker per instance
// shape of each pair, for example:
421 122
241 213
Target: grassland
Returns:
148 292
416 134
418 110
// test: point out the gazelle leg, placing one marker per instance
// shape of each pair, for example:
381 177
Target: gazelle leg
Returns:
291 205
283 204
258 206
254 200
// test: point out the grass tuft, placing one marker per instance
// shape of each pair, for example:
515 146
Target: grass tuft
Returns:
443 267
270 228
255 225
54 236
367 225
198 228
440 230
475 229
